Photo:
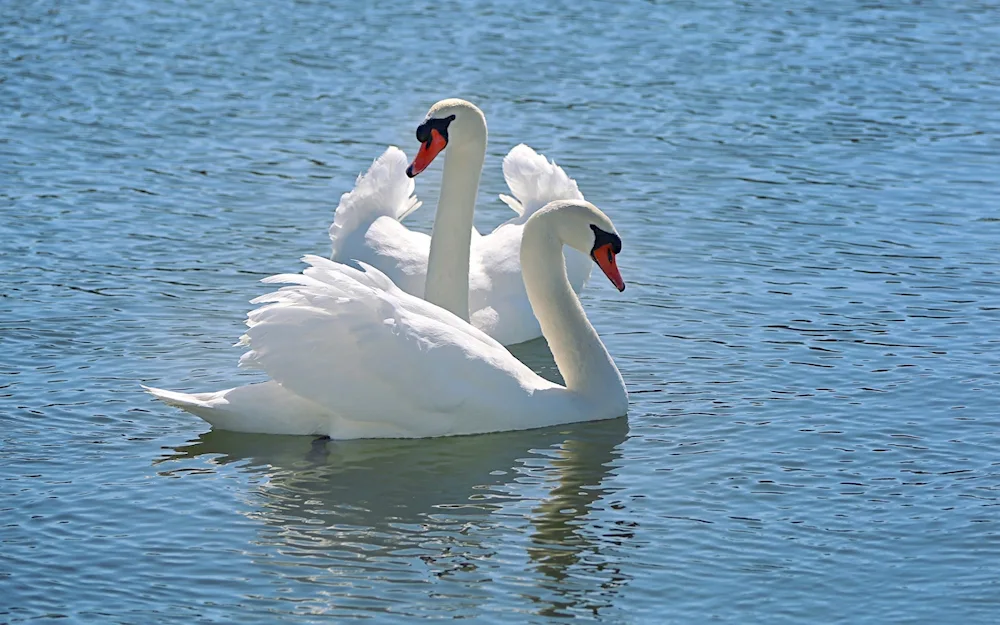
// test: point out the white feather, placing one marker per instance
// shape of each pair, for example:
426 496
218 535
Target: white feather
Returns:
535 181
350 355
343 337
383 191
365 230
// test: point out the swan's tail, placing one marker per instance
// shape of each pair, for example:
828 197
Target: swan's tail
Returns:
265 408
383 191
195 403
535 181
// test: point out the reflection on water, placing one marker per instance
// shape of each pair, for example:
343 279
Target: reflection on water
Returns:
344 523
558 542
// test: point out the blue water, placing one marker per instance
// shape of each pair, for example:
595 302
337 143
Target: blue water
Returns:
807 194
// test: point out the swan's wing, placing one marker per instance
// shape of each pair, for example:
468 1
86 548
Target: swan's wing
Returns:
383 191
352 342
535 181
512 203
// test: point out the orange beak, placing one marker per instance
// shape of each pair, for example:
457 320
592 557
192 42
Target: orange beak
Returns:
426 154
604 256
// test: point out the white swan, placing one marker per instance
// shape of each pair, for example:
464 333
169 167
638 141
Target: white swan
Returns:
462 271
351 355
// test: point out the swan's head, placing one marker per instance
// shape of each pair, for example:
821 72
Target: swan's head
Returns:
450 121
583 226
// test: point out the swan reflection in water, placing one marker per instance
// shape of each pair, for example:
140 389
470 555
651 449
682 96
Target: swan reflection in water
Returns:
386 524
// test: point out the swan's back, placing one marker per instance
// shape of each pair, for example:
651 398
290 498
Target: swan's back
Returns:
388 363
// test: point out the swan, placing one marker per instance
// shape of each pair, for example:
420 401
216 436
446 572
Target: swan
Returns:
477 277
352 355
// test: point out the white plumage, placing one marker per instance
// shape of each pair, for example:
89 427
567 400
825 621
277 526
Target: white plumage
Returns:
366 228
350 355
354 352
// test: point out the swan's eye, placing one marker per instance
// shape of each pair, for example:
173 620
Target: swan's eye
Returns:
604 238
439 124
423 133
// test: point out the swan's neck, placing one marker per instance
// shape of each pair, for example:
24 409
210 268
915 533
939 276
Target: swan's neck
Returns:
448 262
583 361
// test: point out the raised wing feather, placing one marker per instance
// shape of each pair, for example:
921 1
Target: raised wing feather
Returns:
383 191
535 181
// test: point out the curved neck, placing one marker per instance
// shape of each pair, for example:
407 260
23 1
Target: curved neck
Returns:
583 361
448 262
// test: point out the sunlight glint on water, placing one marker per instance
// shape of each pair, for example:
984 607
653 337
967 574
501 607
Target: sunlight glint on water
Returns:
807 198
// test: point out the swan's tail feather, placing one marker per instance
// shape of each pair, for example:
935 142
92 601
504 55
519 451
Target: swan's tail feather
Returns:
383 191
535 181
185 401
265 408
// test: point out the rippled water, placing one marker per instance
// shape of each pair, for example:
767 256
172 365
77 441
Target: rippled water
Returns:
807 195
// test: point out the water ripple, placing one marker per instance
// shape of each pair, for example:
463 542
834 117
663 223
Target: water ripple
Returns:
806 195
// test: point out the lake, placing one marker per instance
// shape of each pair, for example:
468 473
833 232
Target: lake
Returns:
807 195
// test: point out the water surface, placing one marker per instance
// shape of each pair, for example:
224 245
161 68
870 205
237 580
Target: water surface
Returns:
807 196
